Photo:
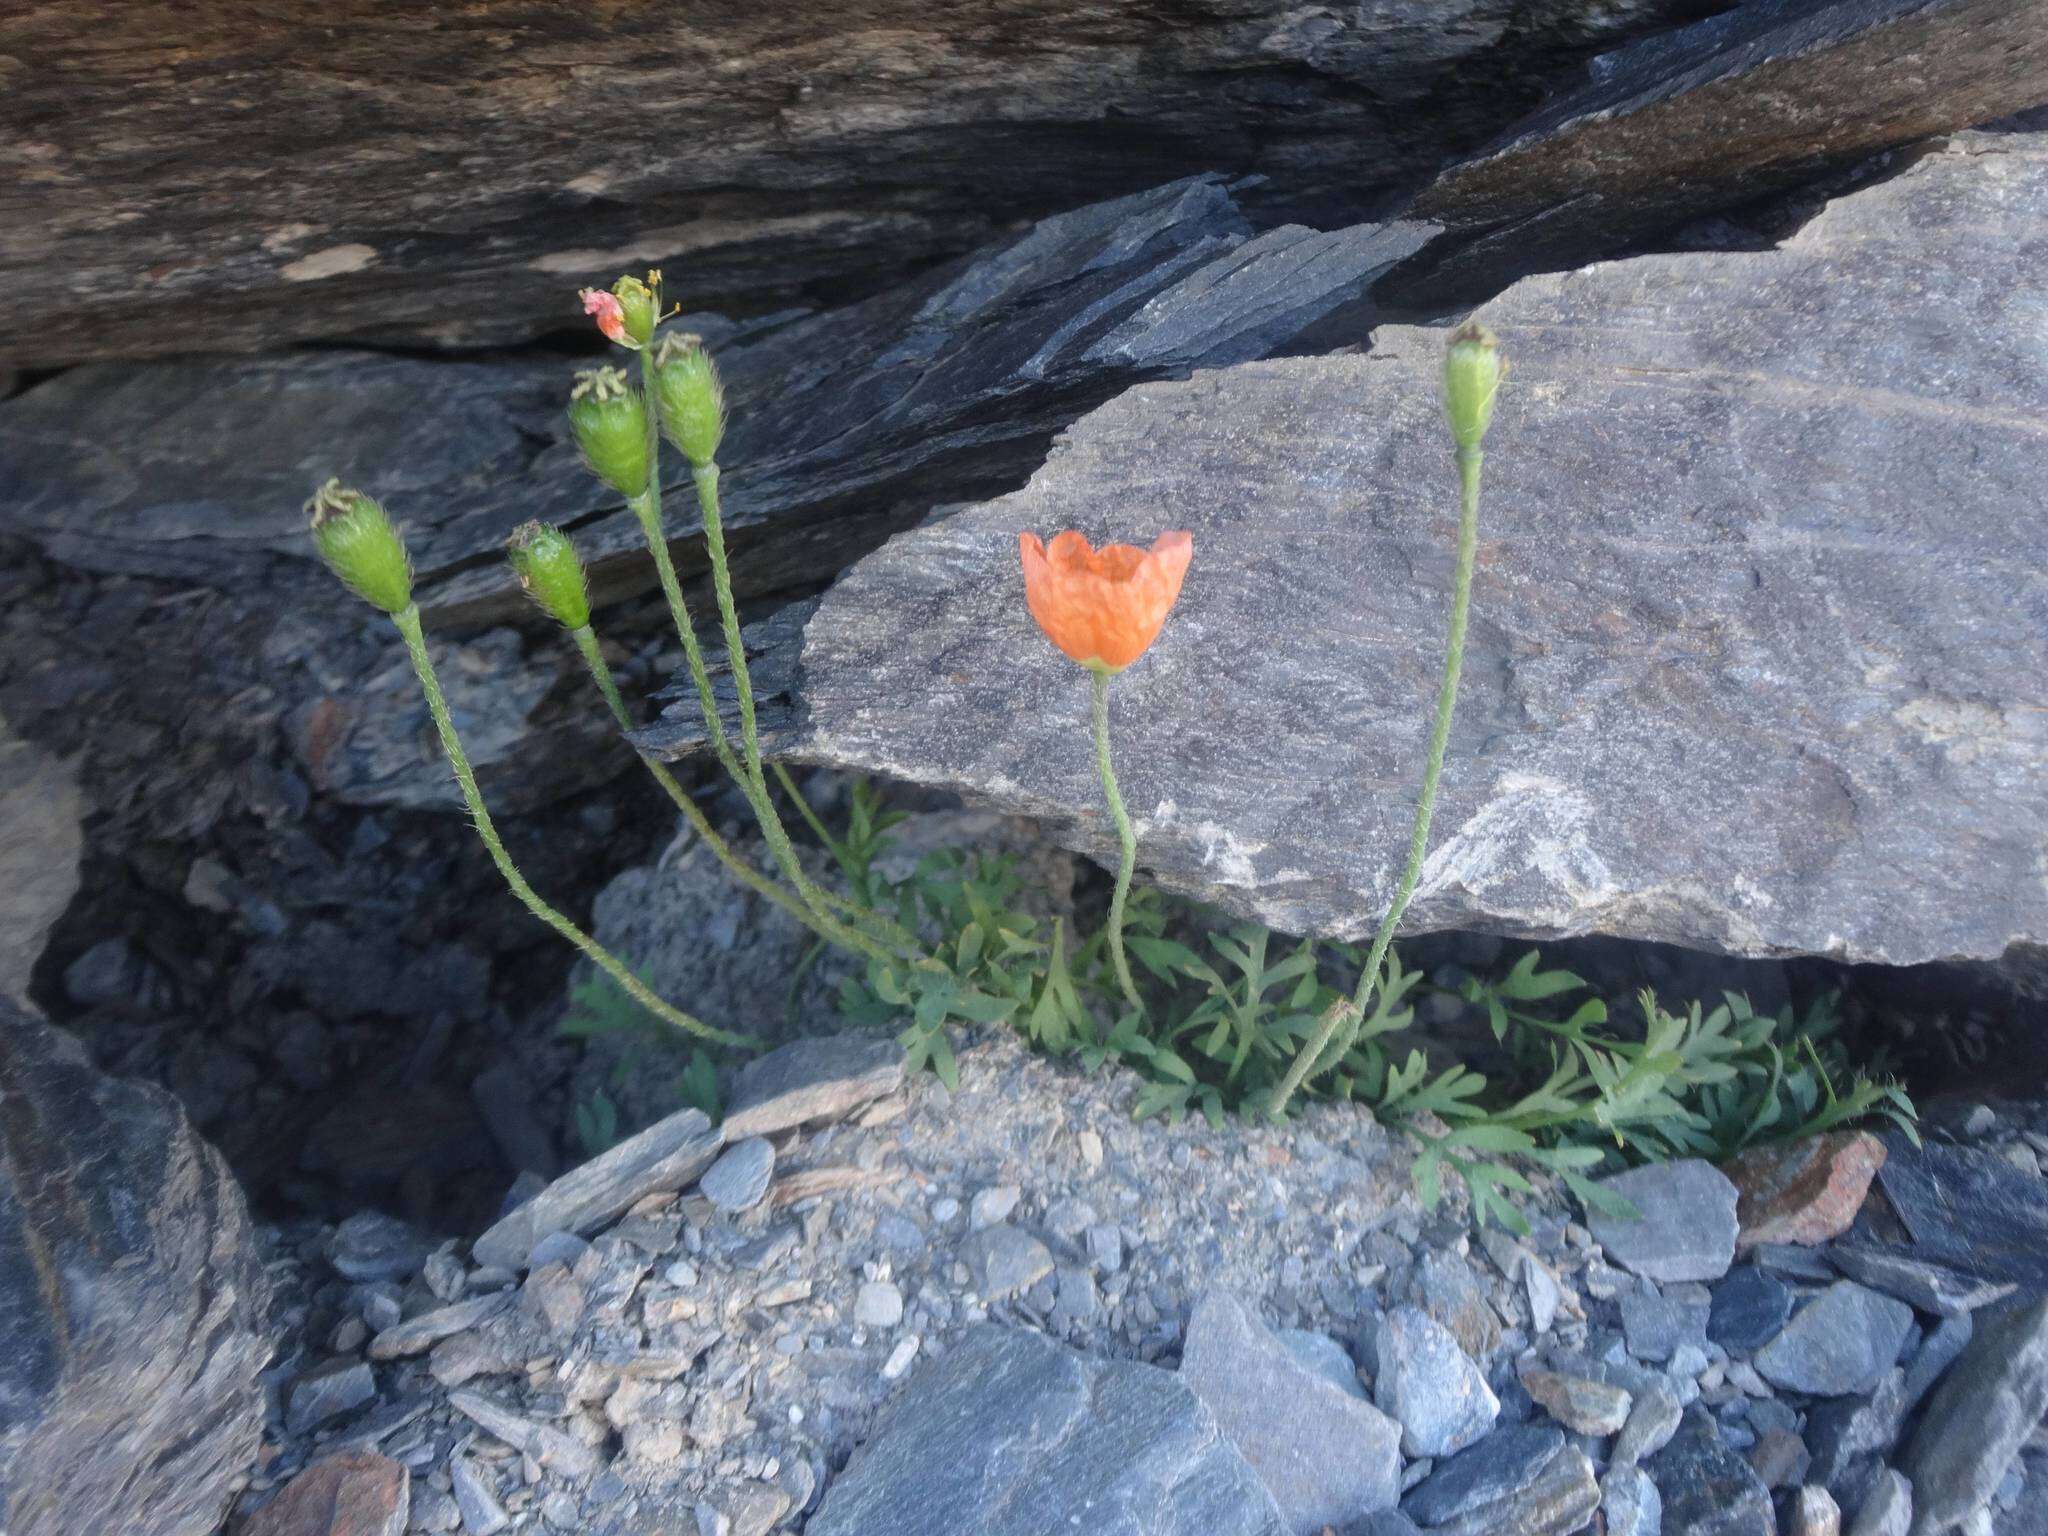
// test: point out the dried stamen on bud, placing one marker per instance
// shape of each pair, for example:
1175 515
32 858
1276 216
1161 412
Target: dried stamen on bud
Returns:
690 398
546 564
609 420
360 546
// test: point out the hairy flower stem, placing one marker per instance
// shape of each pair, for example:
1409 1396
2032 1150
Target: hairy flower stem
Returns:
1126 838
1318 1055
752 878
706 477
408 622
647 508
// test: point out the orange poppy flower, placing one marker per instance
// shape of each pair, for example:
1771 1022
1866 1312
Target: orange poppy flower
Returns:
1103 607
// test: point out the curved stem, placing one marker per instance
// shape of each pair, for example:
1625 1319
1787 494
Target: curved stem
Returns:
1317 1054
871 924
752 878
408 623
1126 838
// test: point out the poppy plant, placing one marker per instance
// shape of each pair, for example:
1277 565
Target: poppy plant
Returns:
1104 608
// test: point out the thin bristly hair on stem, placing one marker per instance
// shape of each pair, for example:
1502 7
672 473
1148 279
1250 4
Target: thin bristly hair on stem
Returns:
408 623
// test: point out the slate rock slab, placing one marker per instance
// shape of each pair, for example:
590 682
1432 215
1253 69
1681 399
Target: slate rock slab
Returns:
133 1301
808 1080
1325 1456
1975 1423
1731 666
1919 1282
1560 1499
1009 1434
1969 1210
1706 1487
1842 1341
1762 95
1685 1224
667 1155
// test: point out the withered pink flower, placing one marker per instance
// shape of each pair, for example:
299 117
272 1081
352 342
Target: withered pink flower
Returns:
606 309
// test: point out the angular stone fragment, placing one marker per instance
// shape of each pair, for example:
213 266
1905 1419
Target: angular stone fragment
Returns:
1630 1503
1888 1510
667 1155
1749 1308
1494 1469
1652 1420
354 1493
327 1392
1735 832
1657 1326
1579 1403
552 1448
1849 1436
1708 1489
1009 1434
1937 1352
1560 1499
418 1334
739 1179
40 841
1326 1457
1004 1260
1842 1341
1424 1380
827 1078
1805 1191
1977 1419
1815 1513
1686 1226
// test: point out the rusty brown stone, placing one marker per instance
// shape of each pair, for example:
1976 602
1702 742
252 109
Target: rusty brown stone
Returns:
1803 1191
358 1493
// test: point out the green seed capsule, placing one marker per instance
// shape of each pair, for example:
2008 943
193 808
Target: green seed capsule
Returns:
360 546
1472 373
637 301
690 398
546 564
610 423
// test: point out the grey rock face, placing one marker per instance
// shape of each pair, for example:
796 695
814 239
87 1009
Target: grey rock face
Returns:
1937 1352
1706 1486
1010 1434
1657 1326
1608 722
134 1302
1979 1416
40 840
1560 1499
1842 1341
1631 1504
1848 1436
1325 1456
327 1392
1005 1259
667 1155
1686 1225
1430 1385
1888 1511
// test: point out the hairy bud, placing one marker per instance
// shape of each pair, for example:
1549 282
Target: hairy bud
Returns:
610 422
546 564
636 308
360 546
1473 368
690 398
